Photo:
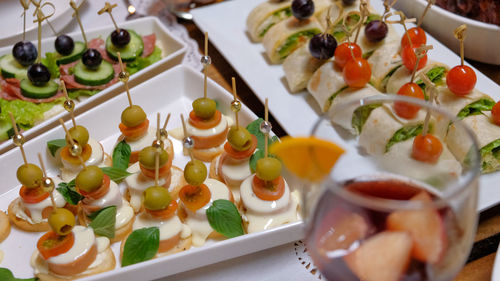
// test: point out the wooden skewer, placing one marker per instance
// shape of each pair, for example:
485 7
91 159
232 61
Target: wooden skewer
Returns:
72 142
205 68
16 132
431 88
67 98
402 20
387 6
429 4
108 8
266 118
166 122
419 53
460 35
76 14
126 81
39 7
26 5
364 12
158 136
346 30
184 128
329 24
45 176
235 100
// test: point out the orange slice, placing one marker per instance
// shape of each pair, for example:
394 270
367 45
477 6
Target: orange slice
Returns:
308 158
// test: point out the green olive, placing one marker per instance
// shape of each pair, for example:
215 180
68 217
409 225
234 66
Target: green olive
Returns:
204 108
61 221
156 198
133 116
195 172
268 168
89 179
239 138
147 157
79 134
30 175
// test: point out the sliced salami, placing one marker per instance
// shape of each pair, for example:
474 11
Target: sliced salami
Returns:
70 82
149 42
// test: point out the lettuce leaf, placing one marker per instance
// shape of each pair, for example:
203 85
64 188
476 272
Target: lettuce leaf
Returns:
50 61
292 41
436 75
403 134
141 63
73 94
26 113
372 17
476 108
360 115
490 155
332 97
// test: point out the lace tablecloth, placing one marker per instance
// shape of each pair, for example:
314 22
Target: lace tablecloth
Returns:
287 262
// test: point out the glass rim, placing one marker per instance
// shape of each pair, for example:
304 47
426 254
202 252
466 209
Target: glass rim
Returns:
392 204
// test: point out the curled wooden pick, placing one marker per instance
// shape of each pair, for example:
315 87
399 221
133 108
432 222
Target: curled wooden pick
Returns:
460 32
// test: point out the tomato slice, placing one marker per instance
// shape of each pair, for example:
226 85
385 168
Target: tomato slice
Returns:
166 213
268 191
134 132
195 197
241 154
33 195
210 141
204 123
51 244
66 155
100 192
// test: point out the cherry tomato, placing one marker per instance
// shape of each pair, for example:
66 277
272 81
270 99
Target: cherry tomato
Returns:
403 109
343 53
357 72
409 57
417 36
461 80
426 148
51 244
33 195
495 113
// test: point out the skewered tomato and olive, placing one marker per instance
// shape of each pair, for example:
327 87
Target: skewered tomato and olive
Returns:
79 134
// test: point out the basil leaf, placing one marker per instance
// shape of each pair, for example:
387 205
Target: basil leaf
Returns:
121 155
141 245
258 154
476 108
224 217
103 221
69 192
115 174
360 115
6 275
403 134
254 129
54 145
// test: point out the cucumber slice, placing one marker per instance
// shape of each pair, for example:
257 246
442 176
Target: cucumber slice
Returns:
11 68
6 130
38 92
75 55
128 53
102 75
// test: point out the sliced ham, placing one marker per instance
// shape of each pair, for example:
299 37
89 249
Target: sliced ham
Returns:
149 42
64 68
100 45
12 91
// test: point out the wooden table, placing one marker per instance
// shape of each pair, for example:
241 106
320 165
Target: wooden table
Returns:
480 265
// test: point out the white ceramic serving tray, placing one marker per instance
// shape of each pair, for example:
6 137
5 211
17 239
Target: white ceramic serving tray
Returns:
170 92
173 50
298 112
483 39
10 12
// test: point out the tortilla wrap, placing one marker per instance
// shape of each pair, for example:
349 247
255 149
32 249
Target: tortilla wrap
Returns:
263 16
341 114
378 130
278 35
403 76
325 82
299 67
382 61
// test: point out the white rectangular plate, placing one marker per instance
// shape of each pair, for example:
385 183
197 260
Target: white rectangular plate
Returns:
170 92
226 24
173 50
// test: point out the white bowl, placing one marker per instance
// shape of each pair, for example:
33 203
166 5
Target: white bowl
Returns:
483 39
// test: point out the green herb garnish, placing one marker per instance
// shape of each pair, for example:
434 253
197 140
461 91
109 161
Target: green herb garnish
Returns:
69 192
54 145
141 245
115 174
254 129
224 217
6 275
103 221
